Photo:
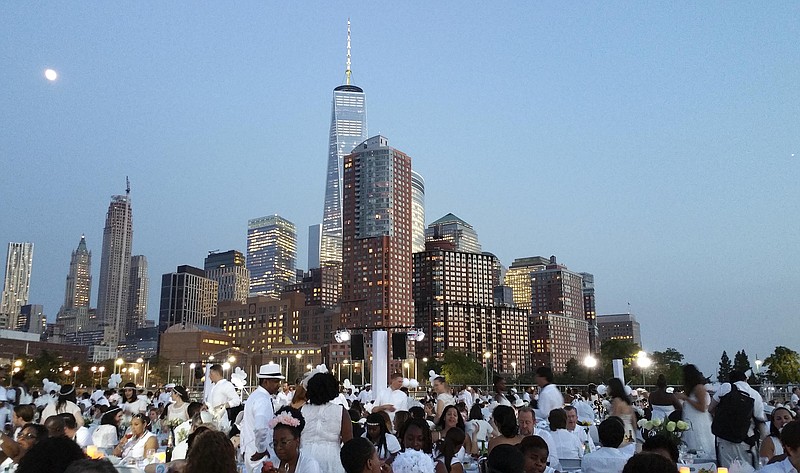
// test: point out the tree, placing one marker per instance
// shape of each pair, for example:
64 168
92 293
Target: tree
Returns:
784 366
669 363
460 368
725 368
741 362
625 350
574 373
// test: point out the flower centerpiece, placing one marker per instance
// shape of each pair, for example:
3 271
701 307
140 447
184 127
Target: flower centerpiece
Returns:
664 427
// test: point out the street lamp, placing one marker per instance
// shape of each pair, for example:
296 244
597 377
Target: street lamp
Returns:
590 363
75 369
102 370
644 362
118 364
514 367
94 372
406 366
192 366
486 357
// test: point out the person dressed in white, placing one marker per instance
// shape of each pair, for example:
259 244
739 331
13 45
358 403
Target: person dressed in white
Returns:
222 396
728 451
132 403
465 396
366 395
284 397
574 429
608 458
443 396
80 435
500 398
65 403
549 396
392 399
136 443
567 445
790 435
328 425
527 426
256 435
695 411
166 397
795 399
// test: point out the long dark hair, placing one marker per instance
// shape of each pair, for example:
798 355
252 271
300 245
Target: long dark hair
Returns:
475 413
441 423
422 425
506 421
691 378
380 442
69 396
450 445
617 390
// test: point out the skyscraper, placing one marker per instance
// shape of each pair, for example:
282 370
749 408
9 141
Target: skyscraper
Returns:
417 212
17 283
115 261
590 312
137 295
518 278
187 297
74 312
230 272
456 231
376 273
271 254
348 129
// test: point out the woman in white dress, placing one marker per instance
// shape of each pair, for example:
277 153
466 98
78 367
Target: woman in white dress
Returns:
695 411
177 409
106 435
621 407
444 397
138 441
327 424
65 403
287 427
771 446
131 404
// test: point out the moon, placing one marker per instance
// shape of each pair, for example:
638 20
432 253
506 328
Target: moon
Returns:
50 75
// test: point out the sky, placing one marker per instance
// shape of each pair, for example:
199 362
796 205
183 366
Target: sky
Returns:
654 145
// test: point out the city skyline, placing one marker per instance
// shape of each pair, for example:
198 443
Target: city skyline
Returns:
651 147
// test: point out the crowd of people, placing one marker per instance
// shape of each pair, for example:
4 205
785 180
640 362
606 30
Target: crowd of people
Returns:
318 425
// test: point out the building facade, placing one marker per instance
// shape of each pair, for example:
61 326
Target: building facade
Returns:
519 279
456 231
348 129
115 260
417 212
262 322
321 286
32 319
231 273
454 305
137 295
619 327
17 283
271 254
376 274
590 312
187 297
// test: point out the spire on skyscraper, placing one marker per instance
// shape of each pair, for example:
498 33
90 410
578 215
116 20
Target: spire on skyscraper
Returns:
347 71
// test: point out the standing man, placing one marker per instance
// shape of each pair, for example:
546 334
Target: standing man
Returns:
223 394
500 396
256 435
738 412
549 396
392 399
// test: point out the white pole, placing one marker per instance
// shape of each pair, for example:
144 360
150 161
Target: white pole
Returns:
380 359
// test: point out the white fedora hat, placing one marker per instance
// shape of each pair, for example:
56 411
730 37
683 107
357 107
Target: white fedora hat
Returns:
270 371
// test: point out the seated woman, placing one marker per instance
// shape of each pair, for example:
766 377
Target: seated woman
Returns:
211 452
287 425
416 435
535 451
447 450
30 435
567 444
478 429
505 421
106 435
138 441
505 459
358 455
385 443
771 446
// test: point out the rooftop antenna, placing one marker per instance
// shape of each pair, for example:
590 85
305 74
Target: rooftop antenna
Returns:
127 185
348 72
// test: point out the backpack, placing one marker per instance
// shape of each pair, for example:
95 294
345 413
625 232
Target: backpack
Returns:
733 416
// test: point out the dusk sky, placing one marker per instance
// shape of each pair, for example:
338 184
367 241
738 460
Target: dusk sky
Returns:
655 145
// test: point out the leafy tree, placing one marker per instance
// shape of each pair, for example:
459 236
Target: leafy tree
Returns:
460 368
784 366
669 363
725 368
625 350
574 373
741 362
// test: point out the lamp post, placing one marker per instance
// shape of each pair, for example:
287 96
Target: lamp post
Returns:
101 370
590 363
118 365
407 366
486 357
758 369
644 362
94 372
192 366
75 369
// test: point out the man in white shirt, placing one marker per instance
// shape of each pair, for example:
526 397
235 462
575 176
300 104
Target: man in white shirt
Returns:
572 427
392 399
166 397
284 397
256 435
223 394
728 451
465 396
80 435
366 395
527 426
795 399
608 458
549 396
